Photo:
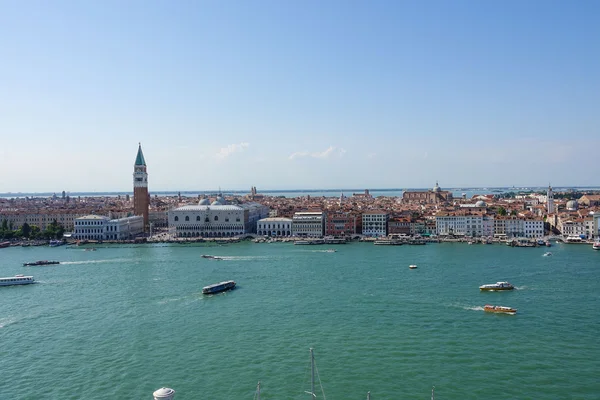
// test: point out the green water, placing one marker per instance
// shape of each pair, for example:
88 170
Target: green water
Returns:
121 322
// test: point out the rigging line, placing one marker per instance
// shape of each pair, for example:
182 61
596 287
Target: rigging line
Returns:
320 383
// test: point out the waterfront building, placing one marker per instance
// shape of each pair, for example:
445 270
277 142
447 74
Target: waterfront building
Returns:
454 224
124 228
399 226
98 227
216 219
487 226
141 199
276 227
374 223
308 224
340 224
434 196
571 226
596 225
90 227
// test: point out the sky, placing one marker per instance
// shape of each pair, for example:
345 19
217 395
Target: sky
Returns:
304 94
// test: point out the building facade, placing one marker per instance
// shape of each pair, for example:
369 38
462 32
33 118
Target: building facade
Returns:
308 224
340 224
97 227
434 196
374 223
141 200
216 219
274 226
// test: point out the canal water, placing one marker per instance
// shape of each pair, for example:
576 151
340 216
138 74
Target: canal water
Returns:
123 321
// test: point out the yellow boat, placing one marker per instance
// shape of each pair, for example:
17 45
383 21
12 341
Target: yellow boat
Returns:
499 309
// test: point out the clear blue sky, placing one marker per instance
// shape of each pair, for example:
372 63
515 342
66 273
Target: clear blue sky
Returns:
298 94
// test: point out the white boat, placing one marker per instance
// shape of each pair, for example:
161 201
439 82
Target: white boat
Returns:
16 280
596 245
330 251
412 266
218 287
497 286
547 254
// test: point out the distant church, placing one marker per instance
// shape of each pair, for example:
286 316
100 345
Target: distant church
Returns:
434 196
141 199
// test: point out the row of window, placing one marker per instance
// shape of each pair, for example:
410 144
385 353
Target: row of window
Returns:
216 218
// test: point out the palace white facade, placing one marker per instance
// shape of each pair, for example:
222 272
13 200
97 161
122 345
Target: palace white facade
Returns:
216 219
374 224
460 225
308 224
276 227
97 227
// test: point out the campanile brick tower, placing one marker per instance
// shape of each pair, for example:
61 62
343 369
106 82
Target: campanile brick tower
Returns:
140 187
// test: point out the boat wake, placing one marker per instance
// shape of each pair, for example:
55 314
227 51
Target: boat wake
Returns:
241 258
94 261
476 308
7 321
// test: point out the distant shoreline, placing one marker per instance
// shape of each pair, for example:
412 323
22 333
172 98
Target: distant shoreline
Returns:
334 192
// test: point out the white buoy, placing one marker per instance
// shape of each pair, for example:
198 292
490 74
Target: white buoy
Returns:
164 394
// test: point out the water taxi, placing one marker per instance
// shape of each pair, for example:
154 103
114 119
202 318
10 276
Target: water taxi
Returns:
499 309
412 266
16 280
218 287
596 245
497 286
40 262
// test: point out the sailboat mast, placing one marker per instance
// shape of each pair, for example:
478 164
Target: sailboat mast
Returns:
312 373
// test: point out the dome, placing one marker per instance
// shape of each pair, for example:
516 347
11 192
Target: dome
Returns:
221 200
572 205
216 203
436 188
204 202
480 203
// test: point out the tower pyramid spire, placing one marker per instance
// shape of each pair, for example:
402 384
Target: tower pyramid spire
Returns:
139 160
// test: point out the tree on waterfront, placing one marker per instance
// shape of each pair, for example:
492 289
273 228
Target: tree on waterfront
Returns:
25 230
502 211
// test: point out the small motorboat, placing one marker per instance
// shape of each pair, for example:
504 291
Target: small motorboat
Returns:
412 266
330 251
41 262
211 257
499 309
596 245
496 286
547 254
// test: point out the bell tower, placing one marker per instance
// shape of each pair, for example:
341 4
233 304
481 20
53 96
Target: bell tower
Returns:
140 187
550 200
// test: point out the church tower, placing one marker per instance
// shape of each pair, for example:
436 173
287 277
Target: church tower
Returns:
550 200
140 187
